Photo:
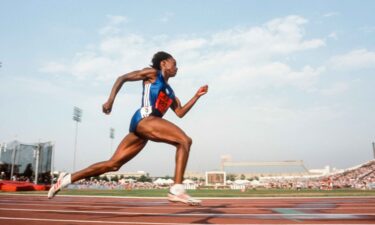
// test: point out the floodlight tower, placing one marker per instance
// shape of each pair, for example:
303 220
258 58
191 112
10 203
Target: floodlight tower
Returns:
111 136
77 116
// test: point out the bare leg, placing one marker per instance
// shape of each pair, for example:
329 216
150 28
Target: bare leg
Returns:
161 130
129 147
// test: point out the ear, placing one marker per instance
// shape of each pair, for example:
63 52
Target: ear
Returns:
162 63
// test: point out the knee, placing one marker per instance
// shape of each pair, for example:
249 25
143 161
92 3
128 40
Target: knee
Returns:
189 141
186 141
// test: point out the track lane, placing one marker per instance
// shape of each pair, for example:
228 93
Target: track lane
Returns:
95 210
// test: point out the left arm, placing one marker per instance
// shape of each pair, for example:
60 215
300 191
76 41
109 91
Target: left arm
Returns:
182 110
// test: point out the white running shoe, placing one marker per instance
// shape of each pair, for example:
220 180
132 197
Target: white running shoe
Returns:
184 198
63 181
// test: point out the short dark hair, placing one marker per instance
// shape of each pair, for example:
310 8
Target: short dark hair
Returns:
158 57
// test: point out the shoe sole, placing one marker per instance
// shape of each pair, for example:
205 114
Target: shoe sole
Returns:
175 199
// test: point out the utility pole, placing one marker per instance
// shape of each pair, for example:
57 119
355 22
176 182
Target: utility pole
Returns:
77 116
373 148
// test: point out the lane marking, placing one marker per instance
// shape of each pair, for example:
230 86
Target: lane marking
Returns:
122 222
153 203
218 215
181 208
91 221
286 212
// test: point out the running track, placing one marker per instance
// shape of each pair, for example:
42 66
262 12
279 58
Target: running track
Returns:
31 210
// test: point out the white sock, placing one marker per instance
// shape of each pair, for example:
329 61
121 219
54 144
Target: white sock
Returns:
177 189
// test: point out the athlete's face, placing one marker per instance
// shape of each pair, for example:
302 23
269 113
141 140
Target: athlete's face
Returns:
169 67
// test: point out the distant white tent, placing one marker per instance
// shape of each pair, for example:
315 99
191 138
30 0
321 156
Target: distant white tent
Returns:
129 180
161 181
255 182
241 182
188 181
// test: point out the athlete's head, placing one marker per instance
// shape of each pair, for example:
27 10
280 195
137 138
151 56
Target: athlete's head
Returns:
165 62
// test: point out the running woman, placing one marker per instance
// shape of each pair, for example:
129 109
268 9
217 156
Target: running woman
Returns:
147 124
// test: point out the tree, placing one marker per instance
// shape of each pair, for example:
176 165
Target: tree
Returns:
242 177
231 177
95 178
131 177
166 177
144 178
115 178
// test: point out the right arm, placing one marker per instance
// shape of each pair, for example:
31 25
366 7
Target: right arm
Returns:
145 74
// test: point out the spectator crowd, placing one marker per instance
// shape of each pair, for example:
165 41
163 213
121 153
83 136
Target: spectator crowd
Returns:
359 177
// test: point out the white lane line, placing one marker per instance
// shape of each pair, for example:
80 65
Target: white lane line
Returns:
123 222
166 203
91 221
221 215
181 208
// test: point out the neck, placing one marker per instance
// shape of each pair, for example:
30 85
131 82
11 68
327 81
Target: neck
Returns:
166 78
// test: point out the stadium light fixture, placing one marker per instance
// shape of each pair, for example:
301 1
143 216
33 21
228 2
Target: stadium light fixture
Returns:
77 116
111 136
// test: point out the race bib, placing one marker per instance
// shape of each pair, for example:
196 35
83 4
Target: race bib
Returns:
163 102
146 111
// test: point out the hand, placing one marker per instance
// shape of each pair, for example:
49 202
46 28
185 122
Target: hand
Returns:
202 91
107 107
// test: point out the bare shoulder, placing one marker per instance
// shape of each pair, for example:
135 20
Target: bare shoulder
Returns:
150 73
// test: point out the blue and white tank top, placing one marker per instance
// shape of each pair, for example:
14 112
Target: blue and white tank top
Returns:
157 97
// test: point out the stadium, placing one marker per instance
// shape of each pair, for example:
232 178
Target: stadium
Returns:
187 112
18 161
219 189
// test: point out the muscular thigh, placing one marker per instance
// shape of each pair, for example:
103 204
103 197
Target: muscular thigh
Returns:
160 130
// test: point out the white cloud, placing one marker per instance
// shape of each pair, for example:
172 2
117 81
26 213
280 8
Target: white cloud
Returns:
182 45
335 89
356 59
271 75
91 65
53 67
279 36
113 24
240 57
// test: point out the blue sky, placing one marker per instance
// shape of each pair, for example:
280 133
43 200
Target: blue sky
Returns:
288 79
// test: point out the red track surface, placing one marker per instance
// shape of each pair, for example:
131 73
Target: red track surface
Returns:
30 210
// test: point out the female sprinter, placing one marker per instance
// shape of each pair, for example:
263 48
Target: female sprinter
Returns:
147 124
